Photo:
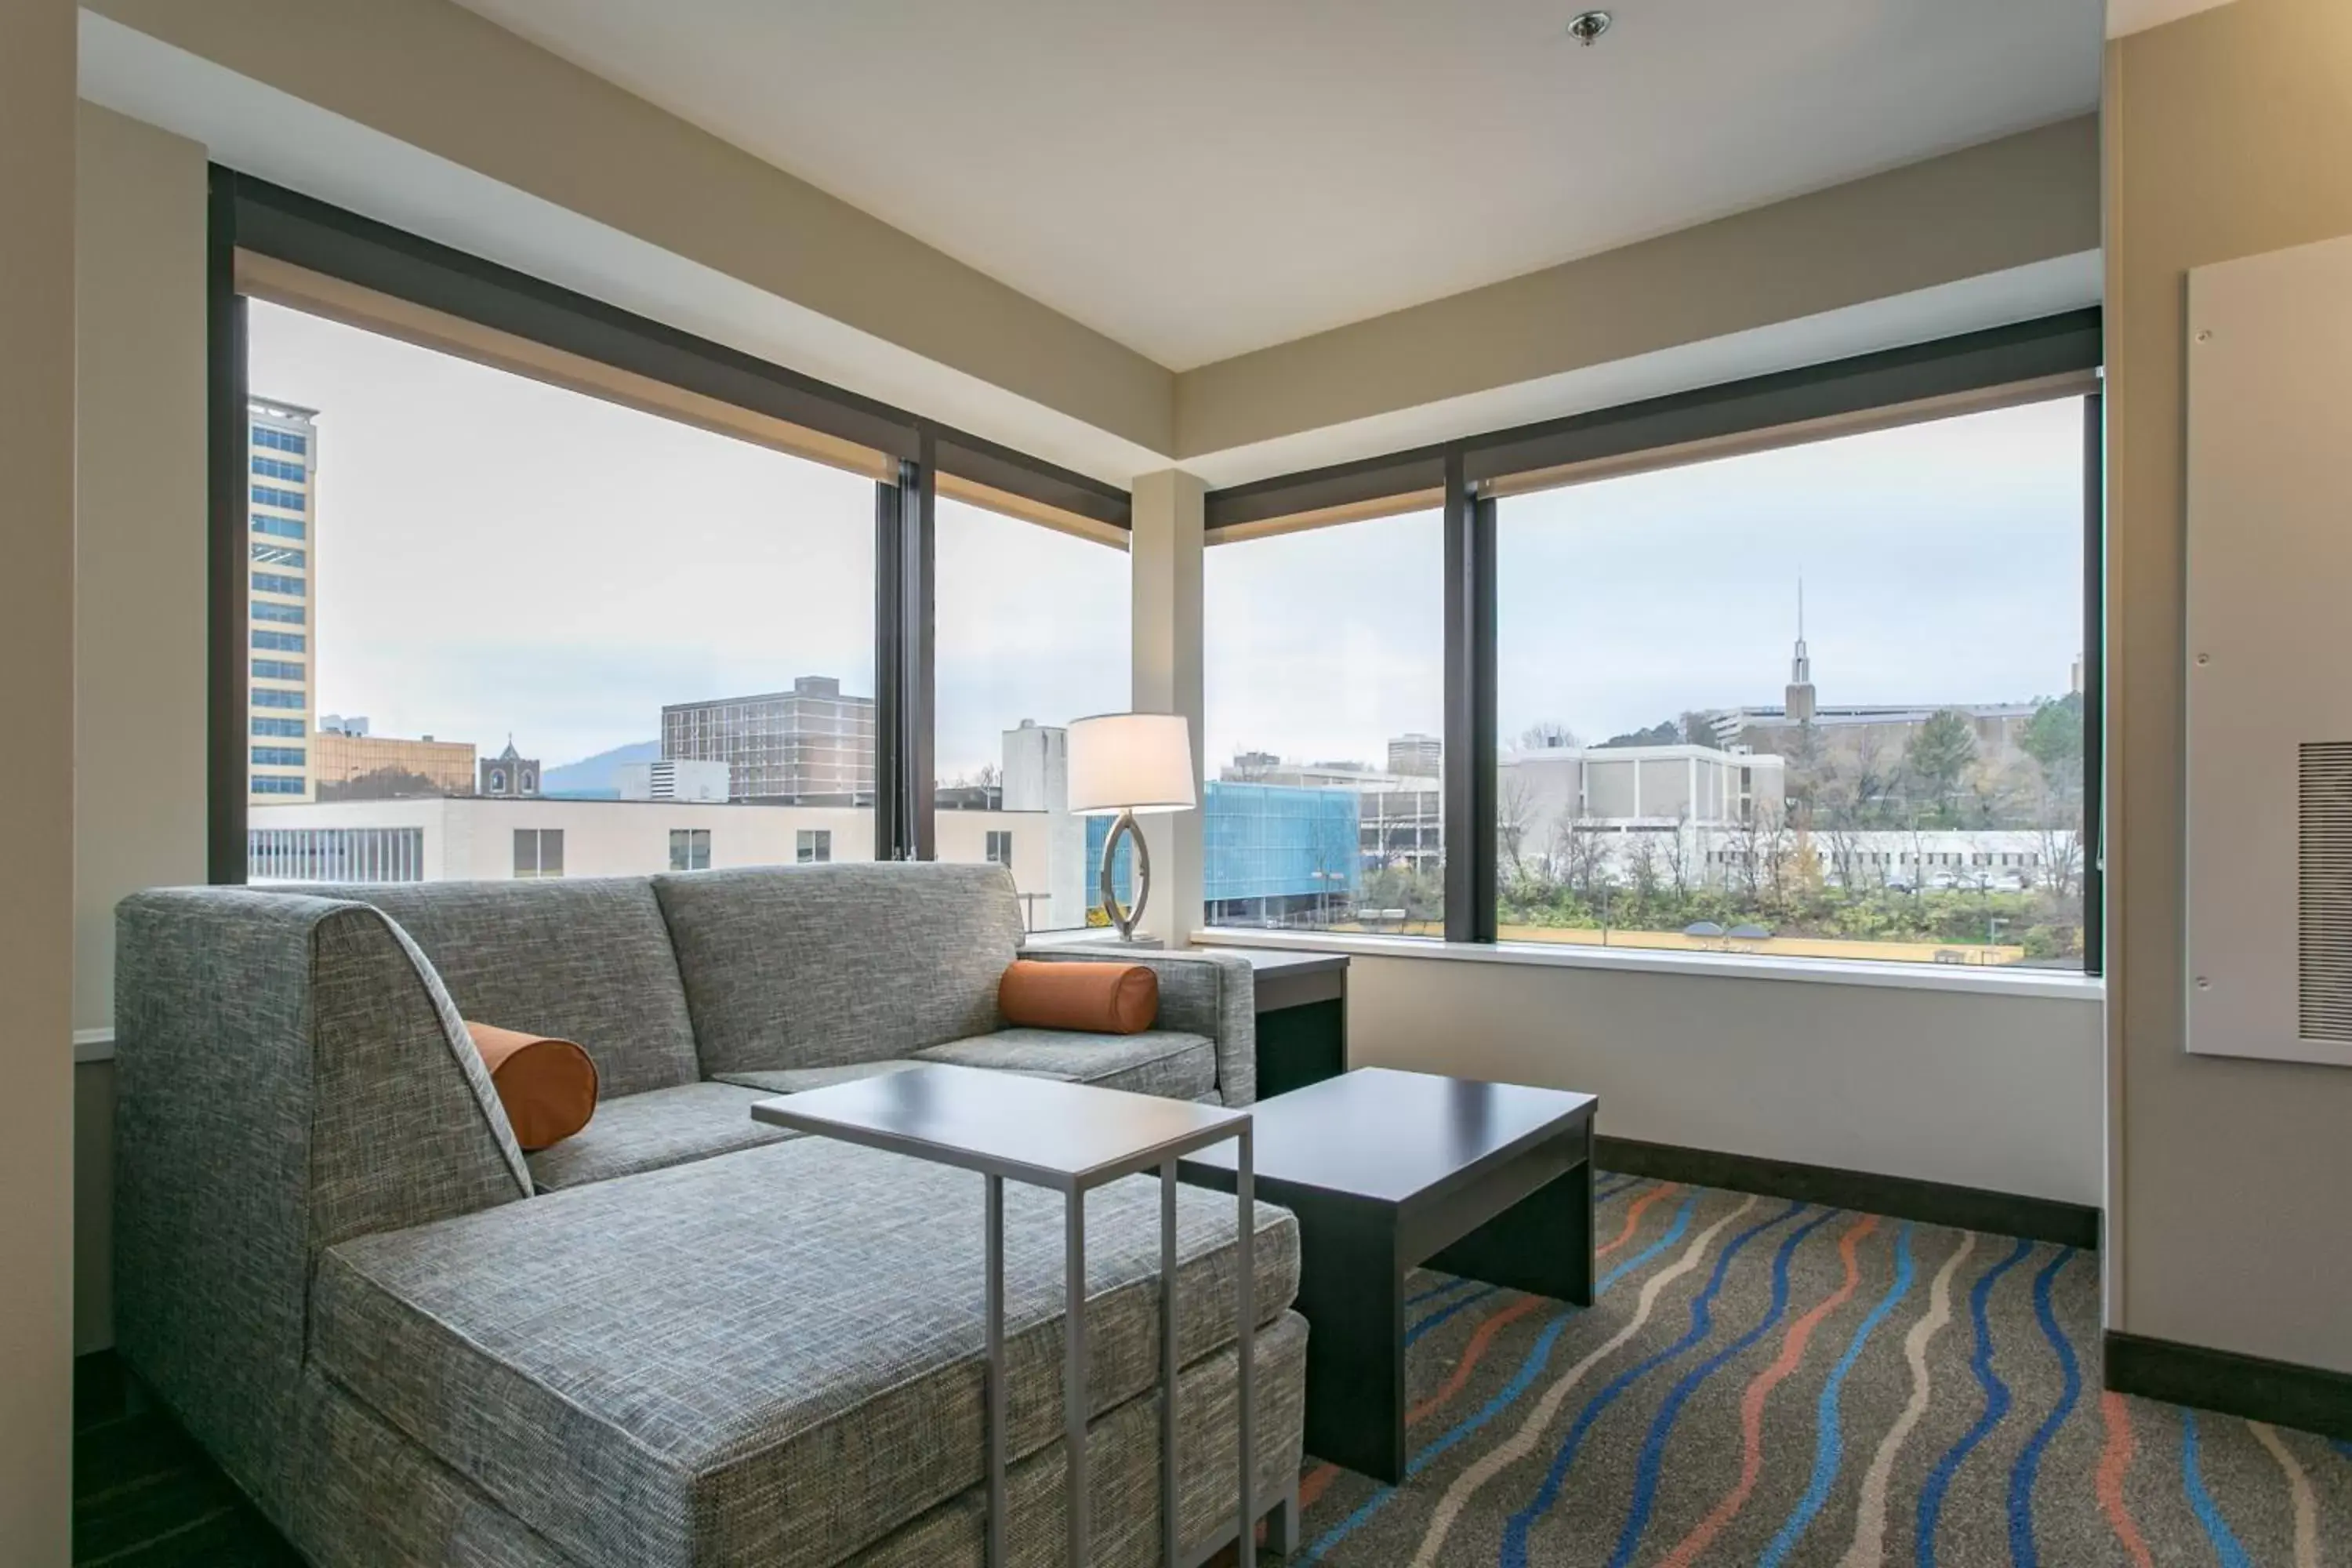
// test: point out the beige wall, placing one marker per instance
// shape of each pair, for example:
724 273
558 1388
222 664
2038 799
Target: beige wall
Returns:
1979 1089
2228 134
436 77
2008 203
139 743
36 481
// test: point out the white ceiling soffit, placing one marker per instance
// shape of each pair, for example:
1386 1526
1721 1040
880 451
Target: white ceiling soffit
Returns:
261 131
2127 16
1202 179
2022 294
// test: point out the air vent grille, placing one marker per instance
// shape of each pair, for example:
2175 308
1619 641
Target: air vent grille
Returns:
2324 876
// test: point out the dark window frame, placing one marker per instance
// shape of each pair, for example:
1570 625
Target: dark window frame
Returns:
1815 402
254 216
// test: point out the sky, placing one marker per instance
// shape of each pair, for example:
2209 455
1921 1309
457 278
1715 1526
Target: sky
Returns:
496 556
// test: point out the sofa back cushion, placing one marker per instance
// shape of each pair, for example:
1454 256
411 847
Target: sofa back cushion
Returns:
812 966
586 959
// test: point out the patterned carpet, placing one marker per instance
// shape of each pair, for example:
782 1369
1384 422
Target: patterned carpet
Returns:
1760 1382
1771 1383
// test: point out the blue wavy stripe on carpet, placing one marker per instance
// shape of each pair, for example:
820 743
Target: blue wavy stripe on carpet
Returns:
2341 1447
2200 1502
1435 1291
1996 1396
1654 1448
2022 1550
1702 1313
1829 1432
1530 1370
1602 1195
1447 1310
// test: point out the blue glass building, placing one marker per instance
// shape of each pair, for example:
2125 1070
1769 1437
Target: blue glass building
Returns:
1269 850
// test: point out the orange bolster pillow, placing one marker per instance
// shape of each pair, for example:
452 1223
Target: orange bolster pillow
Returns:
1100 998
548 1086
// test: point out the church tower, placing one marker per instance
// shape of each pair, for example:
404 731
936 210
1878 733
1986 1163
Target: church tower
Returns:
1800 705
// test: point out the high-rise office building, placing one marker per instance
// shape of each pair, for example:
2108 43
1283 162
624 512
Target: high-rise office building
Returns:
281 524
808 746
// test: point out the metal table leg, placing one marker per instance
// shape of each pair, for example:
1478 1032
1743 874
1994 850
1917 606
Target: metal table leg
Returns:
1246 1552
1074 1375
999 1406
1168 1502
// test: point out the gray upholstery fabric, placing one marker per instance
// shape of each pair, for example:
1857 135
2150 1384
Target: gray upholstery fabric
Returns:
1123 1478
799 1081
812 966
1157 1061
287 1073
771 1358
1201 993
370 1496
587 958
647 1132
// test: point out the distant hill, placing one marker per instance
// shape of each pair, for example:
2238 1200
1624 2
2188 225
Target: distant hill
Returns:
596 777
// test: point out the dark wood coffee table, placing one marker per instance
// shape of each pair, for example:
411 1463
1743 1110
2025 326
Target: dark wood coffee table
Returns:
1387 1171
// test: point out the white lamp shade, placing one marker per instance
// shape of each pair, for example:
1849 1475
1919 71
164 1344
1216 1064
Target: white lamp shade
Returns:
1130 761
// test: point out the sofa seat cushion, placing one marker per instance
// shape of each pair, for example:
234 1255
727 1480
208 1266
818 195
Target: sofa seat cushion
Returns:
800 1081
584 958
772 1358
646 1132
1157 1061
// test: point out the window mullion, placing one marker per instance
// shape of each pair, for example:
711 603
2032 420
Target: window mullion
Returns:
1470 682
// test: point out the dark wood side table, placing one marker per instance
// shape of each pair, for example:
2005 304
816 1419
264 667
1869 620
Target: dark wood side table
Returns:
1387 1171
1302 1016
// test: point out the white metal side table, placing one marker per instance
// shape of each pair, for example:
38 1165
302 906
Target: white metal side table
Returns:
1071 1138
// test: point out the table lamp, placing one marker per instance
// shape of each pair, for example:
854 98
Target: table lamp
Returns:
1122 763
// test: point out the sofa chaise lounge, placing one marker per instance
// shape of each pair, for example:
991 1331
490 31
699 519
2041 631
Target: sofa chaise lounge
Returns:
680 1337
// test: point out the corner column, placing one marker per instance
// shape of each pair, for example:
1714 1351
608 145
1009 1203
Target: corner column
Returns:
1164 562
37 650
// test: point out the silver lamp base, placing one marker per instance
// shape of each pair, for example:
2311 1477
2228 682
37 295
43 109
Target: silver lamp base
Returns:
1124 918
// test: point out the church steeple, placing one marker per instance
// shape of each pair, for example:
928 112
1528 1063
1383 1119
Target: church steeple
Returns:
1799 702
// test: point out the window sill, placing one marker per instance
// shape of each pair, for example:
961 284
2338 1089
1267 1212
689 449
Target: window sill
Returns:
2037 984
93 1045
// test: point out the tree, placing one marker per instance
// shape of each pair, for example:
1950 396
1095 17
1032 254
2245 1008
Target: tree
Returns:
1666 732
2054 739
1546 735
1938 753
1515 813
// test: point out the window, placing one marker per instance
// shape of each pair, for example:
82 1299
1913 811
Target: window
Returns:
689 850
276 555
276 784
334 854
271 582
539 851
1032 632
1823 699
636 590
1325 668
279 756
277 469
289 727
271 696
277 670
812 846
280 441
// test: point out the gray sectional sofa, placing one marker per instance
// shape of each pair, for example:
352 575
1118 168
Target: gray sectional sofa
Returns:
680 1337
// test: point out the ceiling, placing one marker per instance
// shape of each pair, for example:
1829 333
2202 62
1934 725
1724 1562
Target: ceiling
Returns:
1197 178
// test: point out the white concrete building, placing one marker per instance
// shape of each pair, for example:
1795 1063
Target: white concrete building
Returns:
443 838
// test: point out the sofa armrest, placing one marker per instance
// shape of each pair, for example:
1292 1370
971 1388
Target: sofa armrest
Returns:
1213 994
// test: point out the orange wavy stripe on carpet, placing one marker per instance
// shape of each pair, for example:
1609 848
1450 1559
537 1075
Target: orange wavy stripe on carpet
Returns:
1751 1402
